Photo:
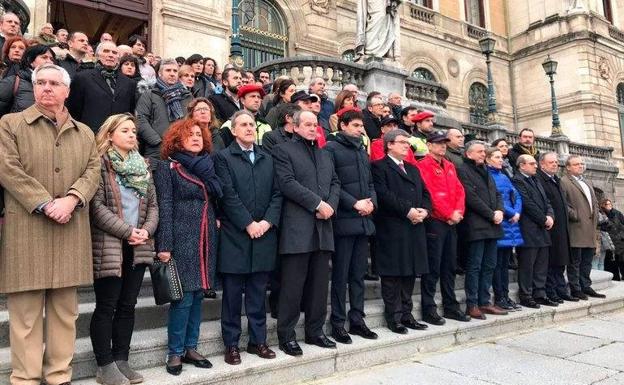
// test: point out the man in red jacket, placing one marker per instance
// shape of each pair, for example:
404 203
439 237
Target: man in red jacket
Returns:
448 199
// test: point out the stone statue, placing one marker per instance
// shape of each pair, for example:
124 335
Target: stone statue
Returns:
378 29
320 6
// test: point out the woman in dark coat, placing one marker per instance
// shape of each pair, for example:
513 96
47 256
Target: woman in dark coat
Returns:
614 260
186 186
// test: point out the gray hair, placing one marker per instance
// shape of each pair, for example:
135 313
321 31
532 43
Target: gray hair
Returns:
315 80
64 74
297 116
490 151
522 159
10 13
165 62
543 156
569 159
238 114
98 49
473 143
391 136
369 103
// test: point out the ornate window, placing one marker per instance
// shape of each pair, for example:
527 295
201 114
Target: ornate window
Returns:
348 55
264 33
475 14
620 101
477 99
423 74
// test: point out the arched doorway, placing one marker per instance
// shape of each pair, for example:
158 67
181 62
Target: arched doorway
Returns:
263 31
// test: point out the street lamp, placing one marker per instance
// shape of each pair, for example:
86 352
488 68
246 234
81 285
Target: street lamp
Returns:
236 52
550 67
487 44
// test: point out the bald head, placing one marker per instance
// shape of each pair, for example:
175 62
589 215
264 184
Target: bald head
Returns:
456 138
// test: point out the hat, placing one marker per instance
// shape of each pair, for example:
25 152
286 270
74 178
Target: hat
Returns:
302 95
389 119
247 88
346 109
437 137
422 116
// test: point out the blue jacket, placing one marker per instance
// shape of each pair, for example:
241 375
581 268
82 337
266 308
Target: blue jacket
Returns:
512 203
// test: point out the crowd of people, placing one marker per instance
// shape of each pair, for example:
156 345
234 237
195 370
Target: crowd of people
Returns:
250 184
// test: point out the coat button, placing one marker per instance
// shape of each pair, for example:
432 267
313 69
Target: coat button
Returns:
58 144
57 170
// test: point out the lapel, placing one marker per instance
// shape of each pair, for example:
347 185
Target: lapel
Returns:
99 80
235 149
398 170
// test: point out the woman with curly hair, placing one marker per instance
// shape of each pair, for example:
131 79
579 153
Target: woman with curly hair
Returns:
187 187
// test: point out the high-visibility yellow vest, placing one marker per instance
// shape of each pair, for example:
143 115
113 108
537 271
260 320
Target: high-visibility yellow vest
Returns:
261 129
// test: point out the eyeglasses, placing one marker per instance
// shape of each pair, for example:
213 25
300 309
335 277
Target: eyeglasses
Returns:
401 141
202 109
52 83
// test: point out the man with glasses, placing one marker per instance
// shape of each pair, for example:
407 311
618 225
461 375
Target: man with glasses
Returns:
455 147
372 116
401 241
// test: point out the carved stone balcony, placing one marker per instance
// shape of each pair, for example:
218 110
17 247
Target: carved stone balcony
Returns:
421 13
426 91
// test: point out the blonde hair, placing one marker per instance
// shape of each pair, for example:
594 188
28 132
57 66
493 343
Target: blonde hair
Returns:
185 69
108 127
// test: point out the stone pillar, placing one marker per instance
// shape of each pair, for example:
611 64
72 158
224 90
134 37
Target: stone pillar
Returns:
496 131
562 146
384 78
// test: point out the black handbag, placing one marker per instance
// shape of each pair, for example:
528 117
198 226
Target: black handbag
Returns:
165 282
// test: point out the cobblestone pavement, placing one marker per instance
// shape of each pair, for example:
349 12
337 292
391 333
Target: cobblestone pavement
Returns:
581 352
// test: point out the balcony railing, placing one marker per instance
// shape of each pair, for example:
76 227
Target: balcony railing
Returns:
616 33
421 13
475 32
426 91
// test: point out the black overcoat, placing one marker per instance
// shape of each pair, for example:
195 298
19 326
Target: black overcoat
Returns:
559 237
249 194
401 247
305 176
482 199
224 106
91 100
535 208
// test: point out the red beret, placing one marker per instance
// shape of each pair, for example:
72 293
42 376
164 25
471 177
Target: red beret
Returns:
422 116
247 88
345 109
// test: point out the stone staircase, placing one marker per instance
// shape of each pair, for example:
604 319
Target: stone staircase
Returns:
150 339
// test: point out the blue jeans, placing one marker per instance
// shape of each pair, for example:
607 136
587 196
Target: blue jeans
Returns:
480 266
500 281
184 320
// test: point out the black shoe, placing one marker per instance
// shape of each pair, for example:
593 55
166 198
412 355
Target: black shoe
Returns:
198 362
397 328
503 304
546 302
529 303
362 331
341 335
432 317
291 348
457 315
413 324
556 299
568 297
590 292
371 277
514 305
174 365
580 295
321 341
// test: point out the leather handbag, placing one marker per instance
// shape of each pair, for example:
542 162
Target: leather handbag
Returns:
165 282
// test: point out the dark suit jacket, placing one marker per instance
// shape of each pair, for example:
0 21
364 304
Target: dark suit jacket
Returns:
401 247
91 100
224 106
560 247
372 125
305 176
535 208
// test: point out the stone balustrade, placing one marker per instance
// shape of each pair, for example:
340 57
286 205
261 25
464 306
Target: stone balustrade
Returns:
421 13
426 91
475 32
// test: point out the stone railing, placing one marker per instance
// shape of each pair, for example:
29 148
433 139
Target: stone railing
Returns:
475 32
615 33
588 151
421 13
426 91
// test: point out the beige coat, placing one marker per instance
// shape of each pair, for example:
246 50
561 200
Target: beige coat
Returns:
39 162
582 219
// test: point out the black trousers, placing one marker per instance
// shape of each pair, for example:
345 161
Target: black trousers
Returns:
112 322
532 272
442 255
254 286
274 285
556 285
614 265
373 255
580 267
306 275
397 297
349 264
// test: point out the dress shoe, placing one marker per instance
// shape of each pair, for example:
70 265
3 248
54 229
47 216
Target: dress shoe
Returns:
397 328
194 358
291 348
261 350
492 309
371 277
568 297
210 293
341 335
413 324
174 365
546 302
529 303
232 355
321 341
474 312
456 315
514 305
590 292
362 331
503 304
580 295
556 299
433 318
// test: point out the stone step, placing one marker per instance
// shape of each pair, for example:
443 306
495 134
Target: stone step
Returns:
149 346
318 363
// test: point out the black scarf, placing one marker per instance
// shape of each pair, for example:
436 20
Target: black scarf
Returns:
202 167
109 75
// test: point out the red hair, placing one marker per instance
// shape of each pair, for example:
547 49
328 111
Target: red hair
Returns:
178 132
9 42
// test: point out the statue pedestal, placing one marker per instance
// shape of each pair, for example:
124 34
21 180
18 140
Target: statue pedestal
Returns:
384 78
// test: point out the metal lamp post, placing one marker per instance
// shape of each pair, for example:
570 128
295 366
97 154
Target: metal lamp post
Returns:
550 67
236 52
487 44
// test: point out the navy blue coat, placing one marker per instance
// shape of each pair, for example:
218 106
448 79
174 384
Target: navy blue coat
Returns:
187 226
535 208
512 203
249 194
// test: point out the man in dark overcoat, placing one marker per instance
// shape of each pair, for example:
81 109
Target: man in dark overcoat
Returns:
559 252
311 190
353 225
401 244
537 218
251 205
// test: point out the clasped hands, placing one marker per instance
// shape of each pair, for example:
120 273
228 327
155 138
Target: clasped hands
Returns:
417 215
138 237
364 207
324 211
257 229
456 217
60 209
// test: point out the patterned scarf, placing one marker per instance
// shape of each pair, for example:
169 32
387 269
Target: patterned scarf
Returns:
132 172
173 96
110 75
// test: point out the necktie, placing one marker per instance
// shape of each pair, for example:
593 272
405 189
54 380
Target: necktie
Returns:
402 167
250 155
